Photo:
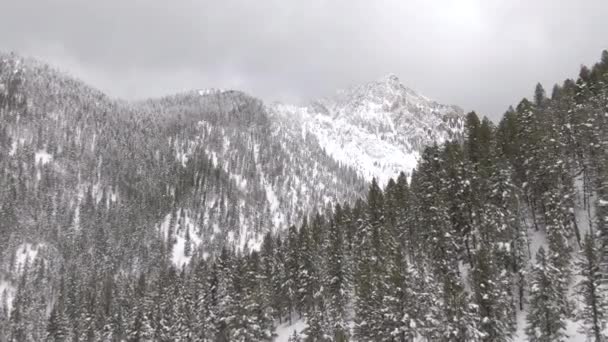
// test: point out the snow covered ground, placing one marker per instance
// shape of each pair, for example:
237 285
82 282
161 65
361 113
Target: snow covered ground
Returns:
285 330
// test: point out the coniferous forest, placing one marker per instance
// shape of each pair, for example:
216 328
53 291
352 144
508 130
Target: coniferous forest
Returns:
124 221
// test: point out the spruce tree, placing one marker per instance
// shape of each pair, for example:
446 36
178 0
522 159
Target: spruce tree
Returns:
370 273
57 328
295 337
227 296
269 269
546 316
400 303
256 300
206 287
492 294
594 311
187 242
279 298
307 275
336 278
291 267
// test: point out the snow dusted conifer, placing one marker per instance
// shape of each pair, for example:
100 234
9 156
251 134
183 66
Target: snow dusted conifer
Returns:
307 276
370 267
336 278
291 267
546 318
295 337
492 294
187 242
594 311
57 327
268 270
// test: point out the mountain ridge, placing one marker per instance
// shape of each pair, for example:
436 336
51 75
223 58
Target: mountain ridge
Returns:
278 168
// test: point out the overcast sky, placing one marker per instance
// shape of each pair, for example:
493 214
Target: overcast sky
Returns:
478 54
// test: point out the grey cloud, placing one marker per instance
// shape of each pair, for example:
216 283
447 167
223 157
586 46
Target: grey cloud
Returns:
481 55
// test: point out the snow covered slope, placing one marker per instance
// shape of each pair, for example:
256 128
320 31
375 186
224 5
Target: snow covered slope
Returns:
378 128
283 162
266 176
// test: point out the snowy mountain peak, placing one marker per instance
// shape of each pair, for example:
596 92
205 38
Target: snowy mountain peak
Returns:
392 78
379 128
393 84
387 95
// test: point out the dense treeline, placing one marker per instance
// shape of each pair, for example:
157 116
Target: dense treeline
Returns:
448 256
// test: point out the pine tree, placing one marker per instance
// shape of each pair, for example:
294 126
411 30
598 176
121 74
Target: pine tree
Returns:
4 319
369 278
227 296
546 316
138 326
593 313
540 96
315 330
427 314
57 326
268 270
512 235
492 293
206 289
257 306
292 266
295 337
462 192
307 272
401 300
280 297
187 243
21 305
336 278
183 309
364 286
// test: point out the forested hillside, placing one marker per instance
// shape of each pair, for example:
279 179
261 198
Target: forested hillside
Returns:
95 190
196 217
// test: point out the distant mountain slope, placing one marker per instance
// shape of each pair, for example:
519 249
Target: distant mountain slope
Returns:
275 177
219 162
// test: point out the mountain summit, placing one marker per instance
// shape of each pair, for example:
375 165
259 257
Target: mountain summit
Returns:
379 128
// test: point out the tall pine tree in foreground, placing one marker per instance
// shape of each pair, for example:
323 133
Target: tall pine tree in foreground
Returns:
594 311
336 278
546 319
492 294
